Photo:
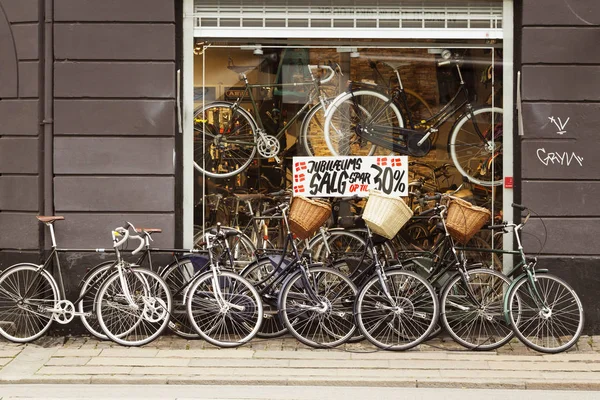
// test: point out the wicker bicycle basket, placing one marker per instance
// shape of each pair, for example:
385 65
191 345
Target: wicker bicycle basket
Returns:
307 215
464 220
386 215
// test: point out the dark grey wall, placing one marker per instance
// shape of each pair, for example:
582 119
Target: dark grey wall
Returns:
114 121
19 130
559 167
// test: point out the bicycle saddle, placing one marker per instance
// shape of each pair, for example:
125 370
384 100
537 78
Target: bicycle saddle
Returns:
148 230
46 219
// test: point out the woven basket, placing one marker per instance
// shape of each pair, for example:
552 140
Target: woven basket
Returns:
386 215
307 216
464 220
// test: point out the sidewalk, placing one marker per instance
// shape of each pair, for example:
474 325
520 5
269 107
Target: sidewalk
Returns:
172 360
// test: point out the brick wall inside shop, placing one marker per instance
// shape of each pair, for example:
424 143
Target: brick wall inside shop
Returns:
419 75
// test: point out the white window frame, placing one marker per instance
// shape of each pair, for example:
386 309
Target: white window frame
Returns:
190 30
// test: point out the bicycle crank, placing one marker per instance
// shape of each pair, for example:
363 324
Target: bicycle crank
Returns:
63 312
268 146
155 310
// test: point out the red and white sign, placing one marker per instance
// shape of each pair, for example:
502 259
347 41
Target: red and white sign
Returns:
350 176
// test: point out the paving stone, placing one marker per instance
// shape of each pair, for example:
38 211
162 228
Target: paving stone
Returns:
56 379
314 354
128 379
540 366
338 363
139 361
579 385
470 383
438 364
84 370
239 362
9 353
77 353
129 352
68 361
222 353
408 355
460 373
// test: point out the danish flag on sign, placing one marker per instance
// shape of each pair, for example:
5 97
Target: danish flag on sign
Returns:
299 189
382 161
396 162
300 166
299 178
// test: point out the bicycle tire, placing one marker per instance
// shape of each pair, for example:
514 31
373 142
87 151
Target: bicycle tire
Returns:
89 290
259 275
480 163
342 117
20 319
539 328
215 154
476 323
177 276
124 324
223 326
390 327
319 328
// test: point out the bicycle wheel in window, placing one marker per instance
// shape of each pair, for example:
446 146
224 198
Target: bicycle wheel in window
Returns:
472 311
549 317
224 139
318 311
26 296
226 311
402 319
475 146
136 315
89 290
356 112
260 275
178 278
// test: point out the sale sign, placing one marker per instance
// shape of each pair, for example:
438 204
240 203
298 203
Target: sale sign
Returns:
349 176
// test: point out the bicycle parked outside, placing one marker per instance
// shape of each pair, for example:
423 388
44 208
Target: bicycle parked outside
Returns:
31 298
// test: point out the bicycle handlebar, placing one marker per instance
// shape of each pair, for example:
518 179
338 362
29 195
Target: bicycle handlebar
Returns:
325 67
120 231
519 206
141 246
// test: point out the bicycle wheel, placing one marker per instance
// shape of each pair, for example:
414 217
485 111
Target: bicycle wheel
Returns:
324 321
260 275
477 159
550 316
405 318
141 320
360 110
228 319
89 290
178 278
334 245
26 295
224 139
472 311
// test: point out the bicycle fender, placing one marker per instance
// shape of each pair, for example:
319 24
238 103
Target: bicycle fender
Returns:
93 269
511 286
460 117
339 96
